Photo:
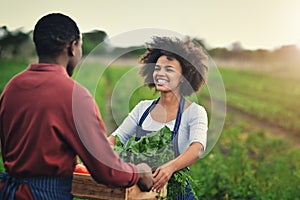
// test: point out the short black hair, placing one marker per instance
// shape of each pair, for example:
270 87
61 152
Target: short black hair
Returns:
53 32
191 56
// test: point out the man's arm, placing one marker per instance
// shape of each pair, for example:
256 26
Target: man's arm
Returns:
91 144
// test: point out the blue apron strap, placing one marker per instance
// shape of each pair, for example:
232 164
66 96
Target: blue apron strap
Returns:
139 131
178 117
147 111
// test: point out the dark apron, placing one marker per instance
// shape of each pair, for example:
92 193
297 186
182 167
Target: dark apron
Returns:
42 188
174 139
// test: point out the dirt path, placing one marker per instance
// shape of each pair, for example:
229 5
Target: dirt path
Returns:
270 129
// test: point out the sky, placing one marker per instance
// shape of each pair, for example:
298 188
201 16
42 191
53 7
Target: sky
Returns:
256 24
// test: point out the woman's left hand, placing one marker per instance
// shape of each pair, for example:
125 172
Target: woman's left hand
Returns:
164 172
162 176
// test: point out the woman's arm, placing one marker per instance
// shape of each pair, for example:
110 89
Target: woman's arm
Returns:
197 122
127 129
164 172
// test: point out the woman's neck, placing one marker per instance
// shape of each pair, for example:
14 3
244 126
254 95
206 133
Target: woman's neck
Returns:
169 99
166 108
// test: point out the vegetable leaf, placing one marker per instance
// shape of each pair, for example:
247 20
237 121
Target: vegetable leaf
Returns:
156 149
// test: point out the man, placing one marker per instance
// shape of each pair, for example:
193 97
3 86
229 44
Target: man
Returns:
47 119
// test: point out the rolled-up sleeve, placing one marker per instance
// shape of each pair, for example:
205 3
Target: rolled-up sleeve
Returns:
93 148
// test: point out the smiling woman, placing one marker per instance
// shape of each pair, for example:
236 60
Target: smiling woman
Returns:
175 68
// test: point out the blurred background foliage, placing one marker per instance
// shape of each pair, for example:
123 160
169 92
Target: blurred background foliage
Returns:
13 43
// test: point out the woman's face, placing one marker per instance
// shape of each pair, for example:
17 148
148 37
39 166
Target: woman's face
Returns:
167 74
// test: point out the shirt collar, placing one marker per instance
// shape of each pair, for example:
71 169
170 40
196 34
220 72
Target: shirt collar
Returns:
47 67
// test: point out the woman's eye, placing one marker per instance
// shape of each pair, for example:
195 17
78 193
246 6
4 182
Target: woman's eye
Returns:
156 68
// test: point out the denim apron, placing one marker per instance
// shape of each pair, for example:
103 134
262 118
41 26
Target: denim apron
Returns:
42 188
174 139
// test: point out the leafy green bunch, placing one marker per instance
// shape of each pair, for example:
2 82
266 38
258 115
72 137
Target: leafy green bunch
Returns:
156 149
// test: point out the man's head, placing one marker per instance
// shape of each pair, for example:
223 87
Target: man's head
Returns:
57 33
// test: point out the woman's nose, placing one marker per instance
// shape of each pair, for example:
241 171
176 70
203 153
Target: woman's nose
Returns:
160 72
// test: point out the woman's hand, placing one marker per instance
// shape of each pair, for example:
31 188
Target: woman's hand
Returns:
164 172
162 176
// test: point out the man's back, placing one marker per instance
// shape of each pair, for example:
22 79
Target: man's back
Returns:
35 115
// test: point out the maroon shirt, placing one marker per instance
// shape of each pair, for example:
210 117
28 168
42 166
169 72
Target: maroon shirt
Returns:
46 119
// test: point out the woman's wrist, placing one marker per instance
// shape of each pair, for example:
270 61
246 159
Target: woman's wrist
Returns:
174 165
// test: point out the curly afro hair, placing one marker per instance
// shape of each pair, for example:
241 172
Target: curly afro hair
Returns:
190 55
53 32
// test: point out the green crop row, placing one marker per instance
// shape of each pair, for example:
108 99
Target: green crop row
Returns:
267 97
248 164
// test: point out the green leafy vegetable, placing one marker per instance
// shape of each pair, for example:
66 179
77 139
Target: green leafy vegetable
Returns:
156 149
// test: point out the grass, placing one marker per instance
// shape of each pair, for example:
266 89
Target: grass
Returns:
8 69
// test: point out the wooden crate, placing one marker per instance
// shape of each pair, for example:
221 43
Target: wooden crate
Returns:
84 186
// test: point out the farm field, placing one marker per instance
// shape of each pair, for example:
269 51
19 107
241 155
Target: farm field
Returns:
256 156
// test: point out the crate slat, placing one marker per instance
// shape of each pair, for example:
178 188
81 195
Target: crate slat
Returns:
134 193
84 186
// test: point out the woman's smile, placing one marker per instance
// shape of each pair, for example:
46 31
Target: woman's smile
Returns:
162 81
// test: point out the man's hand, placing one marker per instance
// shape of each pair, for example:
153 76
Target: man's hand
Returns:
146 181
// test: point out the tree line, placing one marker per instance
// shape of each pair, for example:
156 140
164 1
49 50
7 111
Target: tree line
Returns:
19 44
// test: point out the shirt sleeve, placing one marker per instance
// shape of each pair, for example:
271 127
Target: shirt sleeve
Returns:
198 125
128 127
93 148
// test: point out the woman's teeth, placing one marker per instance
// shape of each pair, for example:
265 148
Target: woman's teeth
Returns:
162 81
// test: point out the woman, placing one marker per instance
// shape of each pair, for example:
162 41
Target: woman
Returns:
176 69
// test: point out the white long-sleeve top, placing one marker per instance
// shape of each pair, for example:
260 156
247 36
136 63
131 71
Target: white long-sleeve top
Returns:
193 126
